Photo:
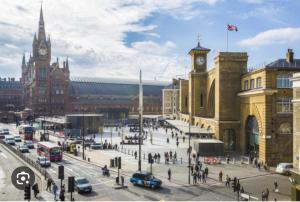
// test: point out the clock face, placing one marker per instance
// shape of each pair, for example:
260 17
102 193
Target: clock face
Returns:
43 51
200 60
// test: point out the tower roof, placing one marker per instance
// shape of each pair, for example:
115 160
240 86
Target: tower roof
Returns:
198 48
41 33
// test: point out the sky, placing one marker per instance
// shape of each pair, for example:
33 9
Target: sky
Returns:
116 38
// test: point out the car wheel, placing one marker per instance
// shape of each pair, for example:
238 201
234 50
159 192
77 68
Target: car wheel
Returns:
134 183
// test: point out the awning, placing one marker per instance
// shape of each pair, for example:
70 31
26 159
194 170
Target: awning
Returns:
184 127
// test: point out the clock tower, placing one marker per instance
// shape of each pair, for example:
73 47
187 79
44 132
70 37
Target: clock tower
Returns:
197 80
199 58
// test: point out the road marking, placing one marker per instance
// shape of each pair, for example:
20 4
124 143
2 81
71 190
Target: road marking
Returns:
69 169
52 170
2 154
99 183
89 167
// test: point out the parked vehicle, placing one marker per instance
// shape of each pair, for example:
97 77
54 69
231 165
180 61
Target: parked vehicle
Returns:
23 148
50 150
97 146
18 138
29 144
145 179
284 168
82 185
43 161
9 139
4 131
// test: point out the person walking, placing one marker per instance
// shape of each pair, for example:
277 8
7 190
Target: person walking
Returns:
203 177
49 183
62 193
227 184
276 186
158 158
54 189
35 189
183 138
192 169
206 172
169 174
221 176
177 144
195 178
135 155
199 176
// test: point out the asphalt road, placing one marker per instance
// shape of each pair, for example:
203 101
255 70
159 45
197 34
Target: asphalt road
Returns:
104 187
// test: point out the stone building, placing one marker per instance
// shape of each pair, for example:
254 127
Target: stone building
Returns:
295 188
250 111
170 103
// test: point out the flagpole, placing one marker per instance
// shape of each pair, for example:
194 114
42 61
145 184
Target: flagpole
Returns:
227 39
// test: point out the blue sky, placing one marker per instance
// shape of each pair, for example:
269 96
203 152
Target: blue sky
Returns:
115 38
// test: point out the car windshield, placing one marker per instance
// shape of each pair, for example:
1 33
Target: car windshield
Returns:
23 147
28 142
43 158
82 181
55 151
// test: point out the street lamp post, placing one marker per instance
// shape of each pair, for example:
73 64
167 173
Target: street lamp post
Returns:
189 148
83 139
140 121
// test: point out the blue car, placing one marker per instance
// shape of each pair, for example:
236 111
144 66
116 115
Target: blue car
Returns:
145 179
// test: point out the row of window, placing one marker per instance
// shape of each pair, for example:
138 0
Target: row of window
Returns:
252 84
282 81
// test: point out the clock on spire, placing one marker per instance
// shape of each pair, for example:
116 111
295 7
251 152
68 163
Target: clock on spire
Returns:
199 56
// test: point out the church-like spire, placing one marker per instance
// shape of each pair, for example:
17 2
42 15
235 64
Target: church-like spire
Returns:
42 33
67 64
23 61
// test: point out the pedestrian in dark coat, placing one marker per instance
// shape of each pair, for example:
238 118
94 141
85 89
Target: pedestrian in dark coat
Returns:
35 189
206 172
169 174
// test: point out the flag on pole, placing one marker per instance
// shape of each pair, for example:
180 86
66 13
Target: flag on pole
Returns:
232 28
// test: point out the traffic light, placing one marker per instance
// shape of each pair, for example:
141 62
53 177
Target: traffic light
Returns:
27 192
119 163
61 172
71 184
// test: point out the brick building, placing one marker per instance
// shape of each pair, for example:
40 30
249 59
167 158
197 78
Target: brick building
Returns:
250 111
49 90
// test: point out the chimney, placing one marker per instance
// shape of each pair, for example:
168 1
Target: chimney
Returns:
290 55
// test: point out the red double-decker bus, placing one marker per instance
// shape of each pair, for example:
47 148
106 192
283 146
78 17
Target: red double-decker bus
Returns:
50 150
27 131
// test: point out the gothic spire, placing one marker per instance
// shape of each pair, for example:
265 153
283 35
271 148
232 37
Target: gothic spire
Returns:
67 64
23 60
41 34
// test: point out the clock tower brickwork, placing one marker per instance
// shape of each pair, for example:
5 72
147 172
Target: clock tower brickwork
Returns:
45 84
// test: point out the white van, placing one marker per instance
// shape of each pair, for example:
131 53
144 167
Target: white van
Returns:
284 168
9 139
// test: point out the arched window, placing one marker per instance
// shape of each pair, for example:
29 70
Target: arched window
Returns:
285 128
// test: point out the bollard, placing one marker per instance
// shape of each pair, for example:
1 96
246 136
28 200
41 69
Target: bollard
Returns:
88 159
181 160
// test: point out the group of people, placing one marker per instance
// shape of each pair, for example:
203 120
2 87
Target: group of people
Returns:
169 156
199 174
52 187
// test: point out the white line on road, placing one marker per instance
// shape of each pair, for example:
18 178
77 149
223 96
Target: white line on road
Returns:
2 154
52 170
69 169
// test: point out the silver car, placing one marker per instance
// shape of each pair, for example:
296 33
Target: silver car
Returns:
43 161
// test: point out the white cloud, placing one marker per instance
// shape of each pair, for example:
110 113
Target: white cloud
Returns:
253 1
273 36
92 33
